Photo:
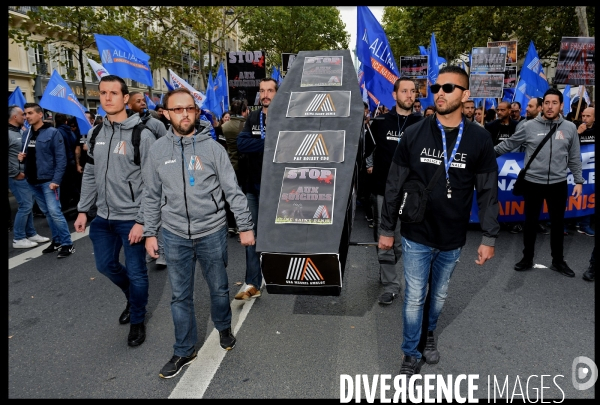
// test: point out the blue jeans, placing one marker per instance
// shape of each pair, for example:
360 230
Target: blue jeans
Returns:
23 224
181 255
49 203
253 271
423 265
108 237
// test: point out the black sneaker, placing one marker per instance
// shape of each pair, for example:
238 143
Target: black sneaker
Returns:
410 366
52 247
65 251
516 228
137 334
431 353
227 339
589 274
125 315
387 297
174 366
524 264
563 269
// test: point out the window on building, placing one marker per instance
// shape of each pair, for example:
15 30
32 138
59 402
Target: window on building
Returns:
37 60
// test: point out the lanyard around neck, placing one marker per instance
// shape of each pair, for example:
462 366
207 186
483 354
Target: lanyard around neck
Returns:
448 161
262 127
192 159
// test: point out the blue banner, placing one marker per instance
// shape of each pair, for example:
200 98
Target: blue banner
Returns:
168 85
375 54
151 105
59 97
567 100
120 57
212 103
512 207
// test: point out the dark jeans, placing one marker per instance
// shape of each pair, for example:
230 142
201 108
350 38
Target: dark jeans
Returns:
108 237
556 200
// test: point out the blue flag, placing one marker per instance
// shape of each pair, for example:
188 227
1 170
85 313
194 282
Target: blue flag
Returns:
375 54
532 74
520 93
433 66
17 98
222 88
212 103
276 75
508 94
149 102
100 111
361 84
120 57
567 100
59 97
168 84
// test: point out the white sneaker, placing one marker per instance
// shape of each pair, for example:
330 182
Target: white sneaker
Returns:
38 238
23 244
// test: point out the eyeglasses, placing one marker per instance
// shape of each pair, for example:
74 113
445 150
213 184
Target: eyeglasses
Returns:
448 87
179 110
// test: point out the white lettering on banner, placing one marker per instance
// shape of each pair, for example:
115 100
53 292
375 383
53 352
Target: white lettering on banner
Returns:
244 57
588 160
510 166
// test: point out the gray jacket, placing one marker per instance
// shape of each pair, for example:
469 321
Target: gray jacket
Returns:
14 147
191 211
154 125
111 178
560 152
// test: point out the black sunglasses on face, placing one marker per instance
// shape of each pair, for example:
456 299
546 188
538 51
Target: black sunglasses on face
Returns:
448 87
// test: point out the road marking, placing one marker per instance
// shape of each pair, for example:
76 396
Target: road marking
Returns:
36 252
200 373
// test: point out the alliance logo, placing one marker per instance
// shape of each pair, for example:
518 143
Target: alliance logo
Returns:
321 212
107 56
59 91
120 148
313 145
195 163
303 269
321 103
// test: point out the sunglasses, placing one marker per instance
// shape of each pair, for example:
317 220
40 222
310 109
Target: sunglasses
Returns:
179 110
448 87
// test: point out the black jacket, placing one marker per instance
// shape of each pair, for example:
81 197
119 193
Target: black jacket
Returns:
387 131
446 219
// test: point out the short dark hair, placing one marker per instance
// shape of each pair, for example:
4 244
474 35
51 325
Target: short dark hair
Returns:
238 106
36 107
60 118
402 79
556 92
270 79
115 78
470 101
134 93
176 91
157 106
540 101
456 70
517 103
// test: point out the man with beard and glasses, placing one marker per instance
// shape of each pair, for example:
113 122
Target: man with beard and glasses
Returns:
387 131
250 145
431 248
189 179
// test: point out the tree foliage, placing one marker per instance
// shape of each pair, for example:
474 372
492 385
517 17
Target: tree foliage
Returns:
283 29
460 28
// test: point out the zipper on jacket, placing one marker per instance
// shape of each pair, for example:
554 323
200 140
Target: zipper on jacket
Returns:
214 201
131 191
187 214
549 162
106 172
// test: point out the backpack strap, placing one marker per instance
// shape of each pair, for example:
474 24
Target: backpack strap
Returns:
95 133
136 138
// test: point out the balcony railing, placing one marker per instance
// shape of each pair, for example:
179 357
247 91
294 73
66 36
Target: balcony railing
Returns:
23 9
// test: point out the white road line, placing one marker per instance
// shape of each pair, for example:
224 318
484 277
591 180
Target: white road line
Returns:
199 374
37 251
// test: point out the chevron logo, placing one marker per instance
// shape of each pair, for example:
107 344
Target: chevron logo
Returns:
321 102
303 269
313 145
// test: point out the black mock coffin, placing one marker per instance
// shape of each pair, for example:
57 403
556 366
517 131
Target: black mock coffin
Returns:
308 187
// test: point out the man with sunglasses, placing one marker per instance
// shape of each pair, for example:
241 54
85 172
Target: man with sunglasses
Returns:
387 131
189 179
115 183
431 248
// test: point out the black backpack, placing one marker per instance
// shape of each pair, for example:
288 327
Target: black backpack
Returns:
135 140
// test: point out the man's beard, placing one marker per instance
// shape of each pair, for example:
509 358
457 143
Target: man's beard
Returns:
404 106
448 108
182 130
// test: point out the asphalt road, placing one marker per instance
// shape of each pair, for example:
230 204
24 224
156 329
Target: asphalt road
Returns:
520 329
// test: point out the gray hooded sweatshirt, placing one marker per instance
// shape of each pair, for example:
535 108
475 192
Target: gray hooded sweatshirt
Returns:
191 211
111 178
560 152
